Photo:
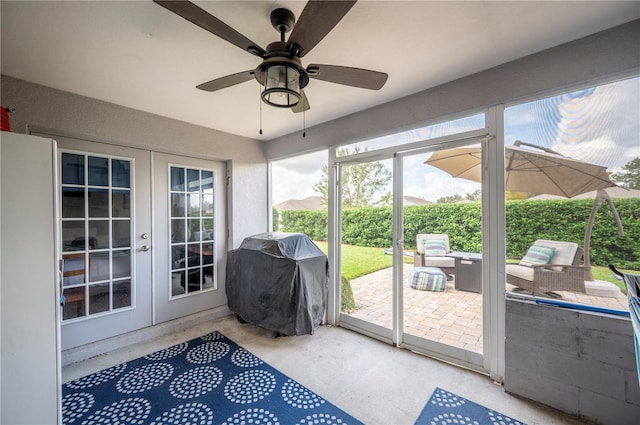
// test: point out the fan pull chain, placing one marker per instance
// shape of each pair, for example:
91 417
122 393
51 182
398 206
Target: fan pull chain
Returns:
260 101
304 119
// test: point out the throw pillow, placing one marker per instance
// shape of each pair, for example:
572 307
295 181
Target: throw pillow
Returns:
434 248
538 254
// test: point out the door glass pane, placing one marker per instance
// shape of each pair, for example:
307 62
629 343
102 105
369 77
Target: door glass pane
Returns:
193 180
207 181
75 303
194 205
72 168
442 273
120 173
72 202
367 229
99 266
177 230
193 200
98 171
177 179
177 205
98 202
121 236
90 234
178 259
207 276
207 229
122 293
98 234
207 253
207 205
74 269
194 230
72 232
99 298
121 203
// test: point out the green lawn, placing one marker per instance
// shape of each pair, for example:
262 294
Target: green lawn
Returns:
358 261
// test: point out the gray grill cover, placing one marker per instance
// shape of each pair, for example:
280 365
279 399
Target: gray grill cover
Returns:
278 281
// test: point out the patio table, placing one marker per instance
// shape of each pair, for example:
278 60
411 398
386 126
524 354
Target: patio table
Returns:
468 271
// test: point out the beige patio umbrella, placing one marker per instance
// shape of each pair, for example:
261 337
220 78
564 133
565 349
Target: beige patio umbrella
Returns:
536 171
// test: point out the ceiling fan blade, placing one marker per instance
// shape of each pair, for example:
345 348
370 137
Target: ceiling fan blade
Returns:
228 81
356 77
205 20
303 105
316 21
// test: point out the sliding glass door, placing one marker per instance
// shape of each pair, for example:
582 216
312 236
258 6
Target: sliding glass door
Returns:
410 233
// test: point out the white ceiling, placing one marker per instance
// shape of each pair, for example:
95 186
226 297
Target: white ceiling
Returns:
140 55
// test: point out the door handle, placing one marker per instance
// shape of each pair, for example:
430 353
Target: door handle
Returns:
144 248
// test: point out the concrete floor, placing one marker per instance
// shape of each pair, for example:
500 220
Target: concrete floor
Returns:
374 382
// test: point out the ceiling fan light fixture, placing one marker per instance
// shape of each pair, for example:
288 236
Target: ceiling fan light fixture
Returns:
281 86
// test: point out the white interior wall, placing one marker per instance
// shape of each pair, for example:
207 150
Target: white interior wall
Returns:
41 107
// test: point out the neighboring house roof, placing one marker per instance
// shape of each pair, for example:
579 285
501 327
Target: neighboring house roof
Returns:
310 203
412 200
315 203
614 192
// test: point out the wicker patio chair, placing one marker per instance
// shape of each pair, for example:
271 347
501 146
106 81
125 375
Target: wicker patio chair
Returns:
562 273
444 263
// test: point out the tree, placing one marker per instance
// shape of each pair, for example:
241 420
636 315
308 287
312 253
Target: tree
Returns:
450 199
362 184
629 175
474 196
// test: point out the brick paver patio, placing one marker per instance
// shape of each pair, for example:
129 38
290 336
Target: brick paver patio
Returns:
452 317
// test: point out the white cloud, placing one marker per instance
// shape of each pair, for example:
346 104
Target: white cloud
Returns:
435 185
602 127
294 178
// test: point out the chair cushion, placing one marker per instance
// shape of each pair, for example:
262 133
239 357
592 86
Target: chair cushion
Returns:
439 261
564 255
538 254
421 237
428 279
522 272
434 248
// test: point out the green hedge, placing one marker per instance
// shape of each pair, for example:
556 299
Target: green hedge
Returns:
527 221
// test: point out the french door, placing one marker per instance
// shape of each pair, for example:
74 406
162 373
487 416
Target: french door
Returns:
190 226
143 238
444 317
105 215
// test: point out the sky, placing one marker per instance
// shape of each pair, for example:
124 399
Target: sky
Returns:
600 125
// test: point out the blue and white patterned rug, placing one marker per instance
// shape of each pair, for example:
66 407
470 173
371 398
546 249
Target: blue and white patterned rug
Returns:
445 408
208 380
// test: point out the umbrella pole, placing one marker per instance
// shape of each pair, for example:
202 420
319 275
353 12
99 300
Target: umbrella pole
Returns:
601 195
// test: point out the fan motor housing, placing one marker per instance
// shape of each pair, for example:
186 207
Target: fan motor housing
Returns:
277 54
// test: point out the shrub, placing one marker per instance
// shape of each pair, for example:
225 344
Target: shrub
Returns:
526 221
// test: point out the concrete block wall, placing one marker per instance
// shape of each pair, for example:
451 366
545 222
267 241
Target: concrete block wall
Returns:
579 362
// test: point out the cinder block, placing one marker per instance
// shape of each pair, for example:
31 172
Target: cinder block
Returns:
541 333
552 393
582 373
521 356
606 410
542 313
633 388
606 322
611 348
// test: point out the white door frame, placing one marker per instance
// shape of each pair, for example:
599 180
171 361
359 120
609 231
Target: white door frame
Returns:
493 236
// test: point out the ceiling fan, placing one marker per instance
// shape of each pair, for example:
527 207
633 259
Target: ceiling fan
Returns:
281 72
